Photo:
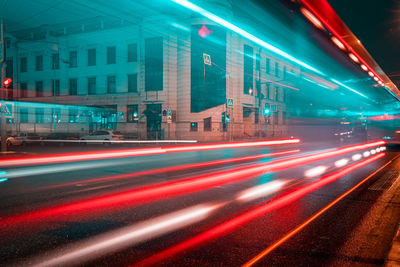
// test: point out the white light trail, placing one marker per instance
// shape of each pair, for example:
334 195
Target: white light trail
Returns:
315 171
260 190
341 162
110 242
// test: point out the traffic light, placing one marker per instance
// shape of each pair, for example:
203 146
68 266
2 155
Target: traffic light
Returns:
228 118
7 82
266 110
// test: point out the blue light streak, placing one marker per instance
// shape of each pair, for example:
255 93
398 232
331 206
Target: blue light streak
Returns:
348 88
243 33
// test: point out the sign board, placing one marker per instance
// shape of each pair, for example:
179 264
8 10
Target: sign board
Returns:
229 102
273 108
169 112
9 109
207 59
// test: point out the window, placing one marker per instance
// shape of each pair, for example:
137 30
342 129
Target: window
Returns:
92 57
73 115
193 127
266 90
132 113
73 59
39 63
55 84
207 124
111 86
248 70
24 64
132 83
153 63
23 89
92 85
39 88
111 54
39 115
55 61
276 69
73 86
284 72
267 65
132 52
23 115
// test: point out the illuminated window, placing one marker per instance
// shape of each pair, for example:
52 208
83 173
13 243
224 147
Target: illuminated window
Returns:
132 113
73 115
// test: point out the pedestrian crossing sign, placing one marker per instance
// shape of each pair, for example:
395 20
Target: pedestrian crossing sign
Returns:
8 109
207 59
229 102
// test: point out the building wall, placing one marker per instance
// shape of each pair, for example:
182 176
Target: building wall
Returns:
176 83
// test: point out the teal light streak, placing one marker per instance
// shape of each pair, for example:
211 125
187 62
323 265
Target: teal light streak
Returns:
255 39
3 180
243 33
348 88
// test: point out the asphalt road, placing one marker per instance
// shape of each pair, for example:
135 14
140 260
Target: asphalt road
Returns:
97 213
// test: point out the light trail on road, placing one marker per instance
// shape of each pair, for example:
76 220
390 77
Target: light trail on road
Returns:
233 224
108 154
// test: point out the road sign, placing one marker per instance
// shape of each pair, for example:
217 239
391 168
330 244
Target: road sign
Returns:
207 59
9 109
274 108
229 102
169 112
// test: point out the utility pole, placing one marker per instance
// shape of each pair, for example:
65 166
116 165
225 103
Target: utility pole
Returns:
3 94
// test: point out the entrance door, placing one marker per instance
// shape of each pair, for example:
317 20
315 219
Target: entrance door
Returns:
153 113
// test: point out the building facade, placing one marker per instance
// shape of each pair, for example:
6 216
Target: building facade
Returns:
147 79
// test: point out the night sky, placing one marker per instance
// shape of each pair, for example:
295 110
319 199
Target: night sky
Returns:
377 24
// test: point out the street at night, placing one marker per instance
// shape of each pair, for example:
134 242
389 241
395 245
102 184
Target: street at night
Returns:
199 133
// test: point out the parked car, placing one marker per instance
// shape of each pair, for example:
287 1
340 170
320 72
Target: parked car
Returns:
103 136
22 139
60 138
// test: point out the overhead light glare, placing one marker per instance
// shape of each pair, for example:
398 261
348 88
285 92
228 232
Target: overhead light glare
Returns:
310 16
338 43
364 67
354 58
